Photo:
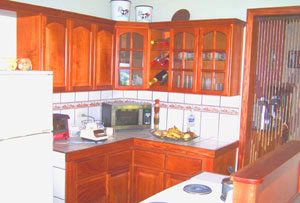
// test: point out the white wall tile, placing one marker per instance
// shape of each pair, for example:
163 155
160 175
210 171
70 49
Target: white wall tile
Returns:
229 127
197 115
95 112
56 111
107 94
145 95
209 125
118 94
211 100
94 95
56 98
162 96
176 97
193 99
81 96
231 101
175 118
67 97
131 94
71 113
78 118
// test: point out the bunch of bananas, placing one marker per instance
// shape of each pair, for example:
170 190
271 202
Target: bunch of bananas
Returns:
175 133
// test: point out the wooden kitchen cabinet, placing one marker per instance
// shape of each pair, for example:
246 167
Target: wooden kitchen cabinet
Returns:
205 56
119 185
78 49
220 59
131 58
147 182
119 176
174 179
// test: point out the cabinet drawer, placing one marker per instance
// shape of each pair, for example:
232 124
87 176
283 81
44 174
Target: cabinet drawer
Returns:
149 159
119 160
183 165
91 167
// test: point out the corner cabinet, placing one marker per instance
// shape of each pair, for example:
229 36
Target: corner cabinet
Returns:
131 58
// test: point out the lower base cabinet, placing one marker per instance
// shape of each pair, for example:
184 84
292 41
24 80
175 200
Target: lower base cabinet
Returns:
119 186
147 182
130 172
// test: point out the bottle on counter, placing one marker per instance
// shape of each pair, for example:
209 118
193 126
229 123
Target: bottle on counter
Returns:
191 122
162 76
156 114
163 42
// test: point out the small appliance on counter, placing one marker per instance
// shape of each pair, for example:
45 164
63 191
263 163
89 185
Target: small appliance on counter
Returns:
60 126
126 115
93 130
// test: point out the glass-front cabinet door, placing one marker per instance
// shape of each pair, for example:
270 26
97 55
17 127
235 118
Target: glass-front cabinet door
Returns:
183 65
131 58
213 61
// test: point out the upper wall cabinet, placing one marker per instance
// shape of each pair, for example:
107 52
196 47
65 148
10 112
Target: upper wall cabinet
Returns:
78 51
220 59
205 56
131 58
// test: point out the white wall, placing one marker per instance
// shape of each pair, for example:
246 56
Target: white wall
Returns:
163 10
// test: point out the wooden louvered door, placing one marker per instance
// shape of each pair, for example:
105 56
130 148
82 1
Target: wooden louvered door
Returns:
271 88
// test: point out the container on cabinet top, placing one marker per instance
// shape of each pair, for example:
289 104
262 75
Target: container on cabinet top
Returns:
120 10
143 13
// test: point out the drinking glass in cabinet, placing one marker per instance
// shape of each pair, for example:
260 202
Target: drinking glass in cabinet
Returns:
207 56
176 81
188 81
219 81
124 59
124 77
137 77
220 56
137 59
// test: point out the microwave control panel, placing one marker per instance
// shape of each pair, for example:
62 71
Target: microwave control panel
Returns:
147 117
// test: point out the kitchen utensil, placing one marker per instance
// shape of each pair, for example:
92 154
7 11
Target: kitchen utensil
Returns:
227 185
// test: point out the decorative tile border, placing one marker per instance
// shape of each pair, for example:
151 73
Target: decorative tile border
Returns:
200 108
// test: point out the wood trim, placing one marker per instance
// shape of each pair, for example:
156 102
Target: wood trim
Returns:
257 171
272 178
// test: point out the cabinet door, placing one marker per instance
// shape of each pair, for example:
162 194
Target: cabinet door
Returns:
147 182
214 65
183 64
119 186
172 179
92 190
131 58
55 52
80 56
103 78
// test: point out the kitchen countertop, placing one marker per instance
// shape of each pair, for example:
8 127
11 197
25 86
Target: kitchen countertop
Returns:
76 143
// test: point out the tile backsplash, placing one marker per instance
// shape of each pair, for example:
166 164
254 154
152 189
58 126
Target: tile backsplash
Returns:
215 116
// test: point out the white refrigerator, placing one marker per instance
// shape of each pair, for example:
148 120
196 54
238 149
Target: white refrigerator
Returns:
26 137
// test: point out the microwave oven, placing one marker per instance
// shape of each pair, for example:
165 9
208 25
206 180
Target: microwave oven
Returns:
126 115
